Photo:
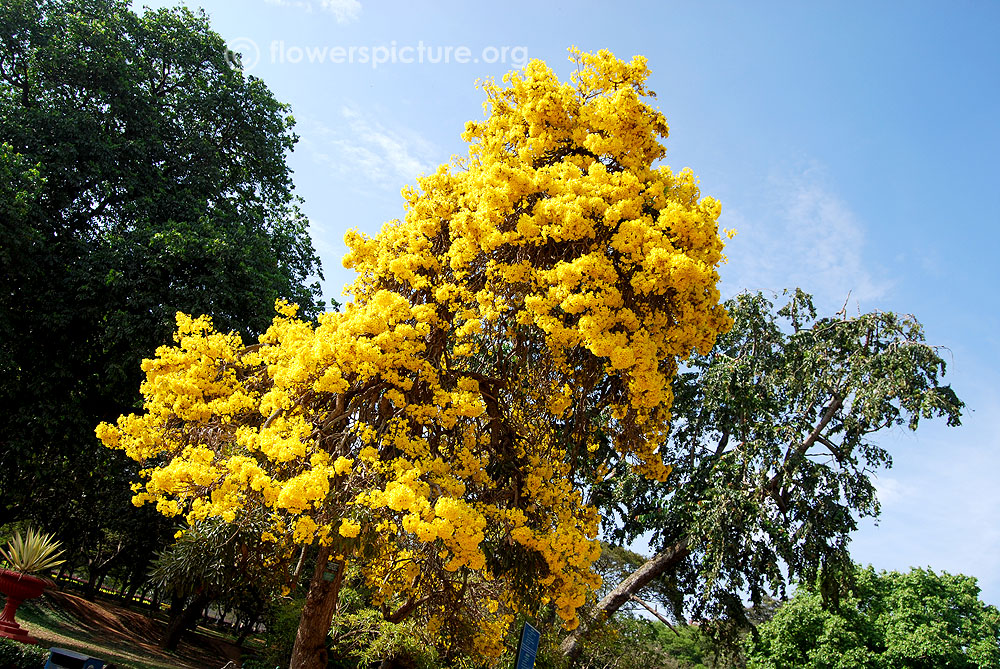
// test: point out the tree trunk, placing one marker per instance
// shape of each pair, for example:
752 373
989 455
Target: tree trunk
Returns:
180 623
636 581
90 590
140 595
131 591
176 605
100 582
309 651
246 629
157 597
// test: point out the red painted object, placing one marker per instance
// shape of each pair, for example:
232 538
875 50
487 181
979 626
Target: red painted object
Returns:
18 587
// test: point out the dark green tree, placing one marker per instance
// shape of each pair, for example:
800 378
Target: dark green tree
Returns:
885 620
773 451
140 175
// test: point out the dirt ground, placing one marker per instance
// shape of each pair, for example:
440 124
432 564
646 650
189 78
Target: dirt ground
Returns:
115 634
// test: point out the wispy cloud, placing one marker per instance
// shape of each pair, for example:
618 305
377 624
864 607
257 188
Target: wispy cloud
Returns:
803 235
297 4
362 146
345 11
890 490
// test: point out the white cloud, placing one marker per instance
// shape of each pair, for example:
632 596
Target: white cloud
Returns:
803 235
383 152
362 146
345 11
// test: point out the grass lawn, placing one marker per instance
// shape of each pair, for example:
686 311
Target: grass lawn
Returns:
113 633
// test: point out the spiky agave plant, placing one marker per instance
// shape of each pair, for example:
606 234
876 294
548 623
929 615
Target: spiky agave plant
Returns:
32 553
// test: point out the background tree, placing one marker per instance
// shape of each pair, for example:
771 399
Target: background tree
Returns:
772 454
141 175
629 642
217 563
531 305
883 620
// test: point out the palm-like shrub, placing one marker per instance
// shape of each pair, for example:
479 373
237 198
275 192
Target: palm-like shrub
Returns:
33 552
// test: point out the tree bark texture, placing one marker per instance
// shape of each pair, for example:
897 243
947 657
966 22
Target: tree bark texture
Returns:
309 651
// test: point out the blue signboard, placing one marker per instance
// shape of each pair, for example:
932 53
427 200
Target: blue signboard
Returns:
527 647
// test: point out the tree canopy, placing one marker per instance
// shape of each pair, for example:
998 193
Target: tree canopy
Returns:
141 175
529 309
884 620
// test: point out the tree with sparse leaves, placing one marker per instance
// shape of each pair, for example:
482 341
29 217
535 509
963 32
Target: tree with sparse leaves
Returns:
773 450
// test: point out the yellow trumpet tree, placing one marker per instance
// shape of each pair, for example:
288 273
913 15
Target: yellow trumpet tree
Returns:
533 302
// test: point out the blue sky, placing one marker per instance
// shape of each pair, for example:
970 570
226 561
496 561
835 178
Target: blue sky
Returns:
853 145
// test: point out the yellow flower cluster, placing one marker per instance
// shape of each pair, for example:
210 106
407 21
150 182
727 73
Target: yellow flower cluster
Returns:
538 292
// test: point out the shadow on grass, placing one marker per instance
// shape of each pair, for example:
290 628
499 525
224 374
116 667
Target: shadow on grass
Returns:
116 634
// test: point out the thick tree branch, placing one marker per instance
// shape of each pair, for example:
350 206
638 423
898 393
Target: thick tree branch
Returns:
831 410
654 567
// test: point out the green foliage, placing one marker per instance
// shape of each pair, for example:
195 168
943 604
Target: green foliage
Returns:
688 645
20 187
279 637
365 637
16 655
884 620
635 640
360 635
33 552
140 175
637 643
224 563
773 453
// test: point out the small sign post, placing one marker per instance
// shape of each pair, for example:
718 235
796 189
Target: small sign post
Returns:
527 647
